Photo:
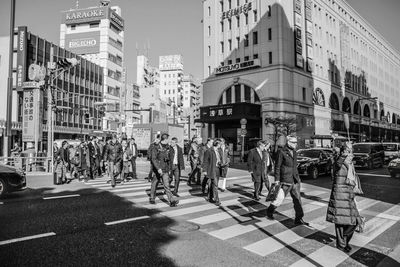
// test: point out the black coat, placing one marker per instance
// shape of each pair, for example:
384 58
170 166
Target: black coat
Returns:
286 167
256 165
113 152
342 208
181 163
210 163
160 157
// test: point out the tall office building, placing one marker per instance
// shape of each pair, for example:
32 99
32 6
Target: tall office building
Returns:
311 61
97 34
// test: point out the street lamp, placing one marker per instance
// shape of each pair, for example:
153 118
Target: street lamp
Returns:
360 119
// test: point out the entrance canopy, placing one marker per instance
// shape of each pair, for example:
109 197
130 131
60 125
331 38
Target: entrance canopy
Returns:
236 111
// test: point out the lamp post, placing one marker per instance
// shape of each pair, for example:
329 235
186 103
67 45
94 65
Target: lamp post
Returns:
360 119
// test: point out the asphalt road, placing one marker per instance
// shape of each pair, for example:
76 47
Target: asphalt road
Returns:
85 229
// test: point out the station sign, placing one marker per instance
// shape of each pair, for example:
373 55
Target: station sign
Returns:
244 9
238 66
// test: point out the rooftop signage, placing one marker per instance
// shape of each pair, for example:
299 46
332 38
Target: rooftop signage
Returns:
237 66
237 11
83 43
84 15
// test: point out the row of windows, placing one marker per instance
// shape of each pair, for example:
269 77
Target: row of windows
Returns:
116 75
116 59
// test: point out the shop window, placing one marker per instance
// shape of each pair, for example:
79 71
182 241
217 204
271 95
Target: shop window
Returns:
238 92
247 94
270 57
255 38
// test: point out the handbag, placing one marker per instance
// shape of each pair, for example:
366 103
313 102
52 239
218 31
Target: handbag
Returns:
360 224
273 193
354 179
222 184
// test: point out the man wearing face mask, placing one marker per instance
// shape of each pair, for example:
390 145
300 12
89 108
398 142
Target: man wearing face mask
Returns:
287 175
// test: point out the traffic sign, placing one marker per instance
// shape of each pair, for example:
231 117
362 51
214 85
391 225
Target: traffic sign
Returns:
243 121
243 126
243 132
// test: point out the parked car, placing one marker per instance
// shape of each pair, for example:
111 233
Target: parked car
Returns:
368 155
394 167
392 151
313 161
11 179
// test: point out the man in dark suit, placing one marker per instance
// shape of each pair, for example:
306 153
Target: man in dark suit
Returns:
133 148
287 175
257 168
225 158
176 164
94 157
211 165
202 151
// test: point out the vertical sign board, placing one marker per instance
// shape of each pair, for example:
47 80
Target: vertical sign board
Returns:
32 115
21 57
299 61
309 50
142 137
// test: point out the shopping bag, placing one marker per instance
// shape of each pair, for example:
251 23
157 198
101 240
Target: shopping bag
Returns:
360 224
279 198
273 193
354 180
222 184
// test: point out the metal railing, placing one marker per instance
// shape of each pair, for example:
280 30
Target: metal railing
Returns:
28 163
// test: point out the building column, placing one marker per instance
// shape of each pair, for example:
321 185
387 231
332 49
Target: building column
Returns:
212 130
224 98
242 93
252 100
233 94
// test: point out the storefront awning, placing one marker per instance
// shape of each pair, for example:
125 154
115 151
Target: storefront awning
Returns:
237 111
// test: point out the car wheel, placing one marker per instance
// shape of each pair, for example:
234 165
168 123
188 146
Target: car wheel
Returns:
3 187
314 173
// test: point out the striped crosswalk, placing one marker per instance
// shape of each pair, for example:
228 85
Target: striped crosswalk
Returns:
241 221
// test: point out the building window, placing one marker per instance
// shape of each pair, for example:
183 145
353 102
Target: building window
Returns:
230 44
165 92
209 11
237 2
237 42
269 34
246 58
222 26
230 24
255 15
304 94
229 4
238 60
246 40
270 57
255 38
209 30
269 11
209 50
255 56
238 92
73 27
246 18
229 61
94 25
222 47
209 70
238 21
222 64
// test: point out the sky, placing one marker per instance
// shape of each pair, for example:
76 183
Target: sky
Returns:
168 26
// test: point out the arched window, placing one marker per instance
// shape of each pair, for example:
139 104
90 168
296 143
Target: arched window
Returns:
356 109
382 114
334 102
234 95
366 112
388 116
318 97
346 106
394 115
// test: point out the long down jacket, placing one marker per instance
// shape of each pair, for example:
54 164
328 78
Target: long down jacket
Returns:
342 208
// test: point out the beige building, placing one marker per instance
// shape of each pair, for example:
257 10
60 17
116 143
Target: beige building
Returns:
301 60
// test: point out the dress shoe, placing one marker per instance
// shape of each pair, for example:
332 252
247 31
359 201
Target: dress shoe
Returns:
152 201
218 203
175 194
346 249
300 222
270 215
257 198
174 203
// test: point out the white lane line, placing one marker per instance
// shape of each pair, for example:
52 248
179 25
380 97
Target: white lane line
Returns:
65 196
238 177
1 203
329 256
127 220
5 242
269 245
373 174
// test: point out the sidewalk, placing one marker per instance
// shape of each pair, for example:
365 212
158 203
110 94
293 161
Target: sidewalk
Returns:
40 180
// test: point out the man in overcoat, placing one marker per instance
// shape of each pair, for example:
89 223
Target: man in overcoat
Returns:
257 168
176 164
211 165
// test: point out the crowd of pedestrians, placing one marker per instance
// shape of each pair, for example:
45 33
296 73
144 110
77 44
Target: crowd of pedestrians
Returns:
209 163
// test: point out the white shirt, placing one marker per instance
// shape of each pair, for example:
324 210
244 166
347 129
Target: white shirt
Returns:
218 156
133 148
259 152
175 161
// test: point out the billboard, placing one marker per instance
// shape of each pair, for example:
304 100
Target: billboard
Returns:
83 43
84 15
32 115
21 57
171 62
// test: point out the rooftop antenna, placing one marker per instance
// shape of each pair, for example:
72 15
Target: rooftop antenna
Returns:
105 2
77 4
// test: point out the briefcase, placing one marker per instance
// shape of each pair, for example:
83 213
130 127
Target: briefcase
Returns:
273 193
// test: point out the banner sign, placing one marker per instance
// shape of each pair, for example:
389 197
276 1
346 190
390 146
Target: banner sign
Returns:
171 62
83 43
84 15
237 11
32 109
21 57
238 66
116 20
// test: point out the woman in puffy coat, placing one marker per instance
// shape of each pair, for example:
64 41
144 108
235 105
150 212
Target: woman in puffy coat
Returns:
342 209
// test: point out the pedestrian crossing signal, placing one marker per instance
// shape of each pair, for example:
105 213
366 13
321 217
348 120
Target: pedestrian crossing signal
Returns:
66 63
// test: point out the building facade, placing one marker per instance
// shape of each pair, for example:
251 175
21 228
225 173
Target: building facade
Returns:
97 34
191 105
130 104
300 62
74 92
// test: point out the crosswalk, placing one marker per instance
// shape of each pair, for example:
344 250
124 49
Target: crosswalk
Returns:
242 221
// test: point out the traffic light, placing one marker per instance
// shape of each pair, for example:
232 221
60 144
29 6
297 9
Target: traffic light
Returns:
87 118
66 63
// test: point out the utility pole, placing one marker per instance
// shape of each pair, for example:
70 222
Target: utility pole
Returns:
7 139
50 112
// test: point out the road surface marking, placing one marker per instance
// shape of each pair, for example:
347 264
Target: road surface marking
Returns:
238 177
127 220
5 242
271 244
1 203
373 174
329 256
64 196
163 204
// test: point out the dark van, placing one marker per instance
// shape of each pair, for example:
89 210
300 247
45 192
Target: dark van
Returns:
370 155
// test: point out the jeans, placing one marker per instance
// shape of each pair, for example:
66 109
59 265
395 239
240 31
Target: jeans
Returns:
165 180
176 175
113 171
294 190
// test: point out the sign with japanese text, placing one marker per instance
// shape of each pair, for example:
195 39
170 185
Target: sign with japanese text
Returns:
21 57
171 62
230 111
32 109
142 137
238 66
237 11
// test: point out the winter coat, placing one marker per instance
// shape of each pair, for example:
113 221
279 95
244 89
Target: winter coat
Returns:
113 152
286 167
160 157
342 207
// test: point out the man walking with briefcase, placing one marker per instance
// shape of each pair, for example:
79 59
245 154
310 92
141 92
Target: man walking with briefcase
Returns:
287 176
